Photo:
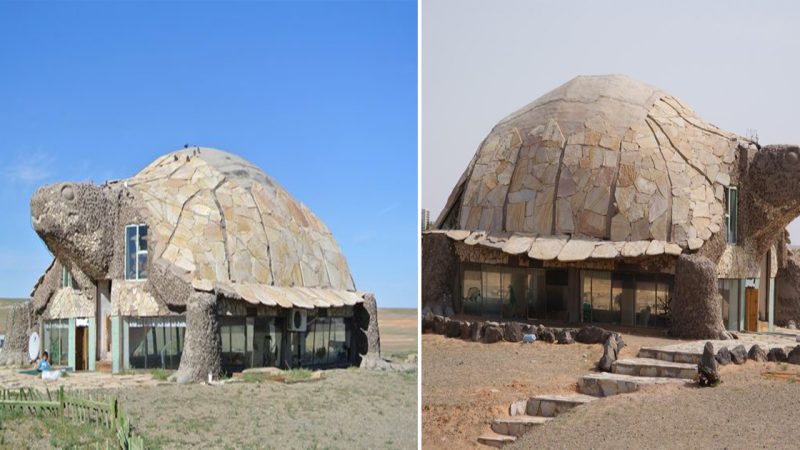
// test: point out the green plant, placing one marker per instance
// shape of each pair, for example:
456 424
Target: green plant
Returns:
161 374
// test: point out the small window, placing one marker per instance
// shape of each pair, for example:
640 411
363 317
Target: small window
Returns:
136 252
66 277
731 213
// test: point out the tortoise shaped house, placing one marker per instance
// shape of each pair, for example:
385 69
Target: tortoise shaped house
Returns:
200 262
610 201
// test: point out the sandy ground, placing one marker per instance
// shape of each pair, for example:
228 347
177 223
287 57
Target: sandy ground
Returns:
465 385
746 411
399 334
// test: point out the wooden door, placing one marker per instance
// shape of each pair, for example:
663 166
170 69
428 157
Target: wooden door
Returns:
751 309
81 348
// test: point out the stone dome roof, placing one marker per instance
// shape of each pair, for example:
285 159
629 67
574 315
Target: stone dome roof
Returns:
218 217
603 157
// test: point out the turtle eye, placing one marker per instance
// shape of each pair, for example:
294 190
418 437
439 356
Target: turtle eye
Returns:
67 193
792 157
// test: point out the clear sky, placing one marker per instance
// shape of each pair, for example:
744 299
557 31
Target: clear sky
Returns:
737 64
322 96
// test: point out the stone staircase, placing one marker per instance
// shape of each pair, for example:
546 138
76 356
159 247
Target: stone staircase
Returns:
651 367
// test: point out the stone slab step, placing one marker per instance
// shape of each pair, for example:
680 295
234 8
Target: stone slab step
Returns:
517 425
670 355
496 440
604 384
553 405
648 367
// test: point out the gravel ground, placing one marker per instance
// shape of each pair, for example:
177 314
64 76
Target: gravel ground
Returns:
746 411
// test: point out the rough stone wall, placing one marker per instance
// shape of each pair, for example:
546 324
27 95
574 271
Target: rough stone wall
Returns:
439 270
787 290
696 310
368 339
202 347
130 298
770 197
75 222
21 322
47 285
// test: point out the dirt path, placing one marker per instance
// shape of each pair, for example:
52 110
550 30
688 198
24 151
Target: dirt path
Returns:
746 411
467 384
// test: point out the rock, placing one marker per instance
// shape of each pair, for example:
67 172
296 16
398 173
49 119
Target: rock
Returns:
738 354
466 330
792 325
794 356
724 356
448 311
592 335
425 310
528 329
546 335
610 352
476 331
708 369
512 332
493 333
564 337
452 328
438 324
777 354
438 310
757 353
696 311
427 321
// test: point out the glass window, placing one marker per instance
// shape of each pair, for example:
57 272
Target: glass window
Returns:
729 291
56 341
155 342
596 297
136 252
517 283
537 294
556 287
731 213
66 277
471 292
663 295
645 301
493 292
623 290
233 334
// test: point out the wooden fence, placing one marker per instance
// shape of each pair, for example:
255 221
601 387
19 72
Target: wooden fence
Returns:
85 408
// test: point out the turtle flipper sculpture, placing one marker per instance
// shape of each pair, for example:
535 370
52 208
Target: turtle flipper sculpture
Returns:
608 173
212 228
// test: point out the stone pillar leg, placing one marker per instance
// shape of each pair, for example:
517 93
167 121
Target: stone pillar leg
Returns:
202 346
368 341
695 308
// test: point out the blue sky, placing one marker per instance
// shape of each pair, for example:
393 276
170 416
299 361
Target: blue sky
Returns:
322 96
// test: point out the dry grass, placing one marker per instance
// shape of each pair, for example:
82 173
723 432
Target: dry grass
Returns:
398 327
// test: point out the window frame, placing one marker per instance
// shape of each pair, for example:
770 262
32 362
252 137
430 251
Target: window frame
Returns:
66 277
731 219
138 252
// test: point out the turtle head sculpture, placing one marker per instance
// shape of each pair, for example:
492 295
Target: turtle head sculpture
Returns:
73 220
774 190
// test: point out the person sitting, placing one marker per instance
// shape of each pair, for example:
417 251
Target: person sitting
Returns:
44 364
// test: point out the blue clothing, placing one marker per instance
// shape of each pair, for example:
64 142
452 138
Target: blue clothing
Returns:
43 365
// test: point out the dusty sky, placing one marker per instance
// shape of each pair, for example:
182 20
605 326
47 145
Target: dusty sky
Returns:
736 65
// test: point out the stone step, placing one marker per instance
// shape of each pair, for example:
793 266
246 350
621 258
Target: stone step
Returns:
648 367
604 384
553 405
670 355
496 440
517 425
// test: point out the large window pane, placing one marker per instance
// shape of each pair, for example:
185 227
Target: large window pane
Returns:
130 253
471 292
493 293
556 281
645 301
623 291
537 294
517 282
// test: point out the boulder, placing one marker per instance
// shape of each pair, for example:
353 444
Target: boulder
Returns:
438 324
492 333
610 353
565 337
792 325
724 356
476 331
448 311
546 335
592 335
452 328
427 321
438 310
466 328
708 369
777 354
757 353
794 356
738 354
512 331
